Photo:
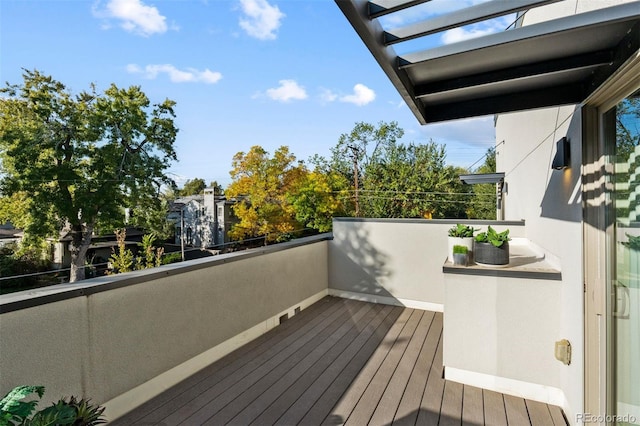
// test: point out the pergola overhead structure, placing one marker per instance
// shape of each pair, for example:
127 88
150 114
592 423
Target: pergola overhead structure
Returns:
556 62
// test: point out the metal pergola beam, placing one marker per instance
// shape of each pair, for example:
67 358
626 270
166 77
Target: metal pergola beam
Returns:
589 60
550 96
370 31
469 15
542 29
378 8
549 63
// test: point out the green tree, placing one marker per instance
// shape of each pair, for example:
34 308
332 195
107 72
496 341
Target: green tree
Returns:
393 179
318 198
151 215
217 188
482 204
411 181
192 187
356 150
262 184
122 259
81 157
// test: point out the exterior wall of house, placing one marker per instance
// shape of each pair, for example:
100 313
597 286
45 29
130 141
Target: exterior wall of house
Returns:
550 203
226 220
395 261
121 340
198 225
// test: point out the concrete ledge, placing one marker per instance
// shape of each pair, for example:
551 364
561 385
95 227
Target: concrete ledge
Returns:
432 221
526 261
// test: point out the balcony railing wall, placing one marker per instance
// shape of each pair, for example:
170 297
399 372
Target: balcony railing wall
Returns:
396 261
106 338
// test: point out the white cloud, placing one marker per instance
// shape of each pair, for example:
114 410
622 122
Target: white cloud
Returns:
477 132
135 16
261 20
327 95
425 10
476 30
288 90
188 75
460 34
361 96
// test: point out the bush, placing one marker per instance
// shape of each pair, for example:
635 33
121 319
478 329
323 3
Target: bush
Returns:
171 258
14 263
14 411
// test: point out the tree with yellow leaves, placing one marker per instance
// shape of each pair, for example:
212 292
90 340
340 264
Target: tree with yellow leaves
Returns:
262 184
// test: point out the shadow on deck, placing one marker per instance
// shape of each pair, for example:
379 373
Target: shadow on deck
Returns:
339 362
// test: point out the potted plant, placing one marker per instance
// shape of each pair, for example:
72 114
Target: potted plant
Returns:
460 255
491 247
460 235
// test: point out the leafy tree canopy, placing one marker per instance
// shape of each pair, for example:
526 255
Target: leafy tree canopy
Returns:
262 183
482 204
81 158
393 179
193 187
412 181
318 198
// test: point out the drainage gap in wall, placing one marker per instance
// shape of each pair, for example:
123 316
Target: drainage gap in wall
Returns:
283 318
296 311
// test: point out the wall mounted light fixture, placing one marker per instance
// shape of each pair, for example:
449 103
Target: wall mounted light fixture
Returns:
562 157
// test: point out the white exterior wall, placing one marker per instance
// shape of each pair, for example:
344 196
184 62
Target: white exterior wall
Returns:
550 201
499 334
202 225
395 261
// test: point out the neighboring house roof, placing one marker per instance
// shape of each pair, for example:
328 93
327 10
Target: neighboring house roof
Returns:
187 199
556 62
131 232
6 233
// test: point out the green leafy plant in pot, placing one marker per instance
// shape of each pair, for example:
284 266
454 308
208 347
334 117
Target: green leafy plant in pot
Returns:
491 247
461 235
460 255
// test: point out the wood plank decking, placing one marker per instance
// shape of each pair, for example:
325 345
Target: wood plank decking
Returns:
339 362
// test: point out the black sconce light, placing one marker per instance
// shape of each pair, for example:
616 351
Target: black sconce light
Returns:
561 160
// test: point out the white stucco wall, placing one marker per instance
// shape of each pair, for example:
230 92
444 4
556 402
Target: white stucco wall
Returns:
499 334
397 261
550 203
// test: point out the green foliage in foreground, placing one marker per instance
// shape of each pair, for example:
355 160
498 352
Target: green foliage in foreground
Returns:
15 411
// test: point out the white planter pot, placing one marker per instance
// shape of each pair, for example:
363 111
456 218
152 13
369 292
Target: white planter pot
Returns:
457 241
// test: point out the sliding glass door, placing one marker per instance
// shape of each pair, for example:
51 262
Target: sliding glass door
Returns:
624 313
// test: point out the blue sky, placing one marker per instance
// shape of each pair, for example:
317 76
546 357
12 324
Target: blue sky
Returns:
243 72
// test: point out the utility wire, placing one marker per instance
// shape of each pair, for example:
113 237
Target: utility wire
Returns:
56 271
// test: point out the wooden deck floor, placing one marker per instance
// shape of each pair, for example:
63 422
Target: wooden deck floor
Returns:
339 362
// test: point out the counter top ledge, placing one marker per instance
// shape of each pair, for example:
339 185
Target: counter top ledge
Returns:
525 261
